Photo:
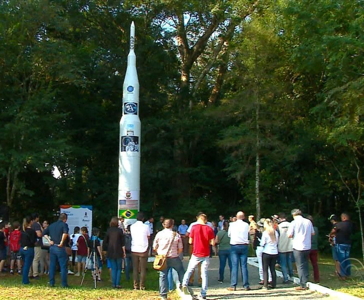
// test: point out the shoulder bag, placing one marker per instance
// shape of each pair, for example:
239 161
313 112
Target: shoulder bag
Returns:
46 242
160 261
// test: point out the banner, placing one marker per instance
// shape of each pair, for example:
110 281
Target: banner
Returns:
78 215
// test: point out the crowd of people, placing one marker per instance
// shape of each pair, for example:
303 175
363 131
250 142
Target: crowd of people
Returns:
34 249
275 241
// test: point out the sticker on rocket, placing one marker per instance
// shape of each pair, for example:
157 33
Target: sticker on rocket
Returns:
128 204
130 108
130 129
129 143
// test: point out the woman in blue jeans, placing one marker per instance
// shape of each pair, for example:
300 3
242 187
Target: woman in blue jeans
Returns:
27 242
223 241
114 244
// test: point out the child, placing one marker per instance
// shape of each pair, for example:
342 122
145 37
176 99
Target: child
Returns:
94 247
14 244
82 242
73 243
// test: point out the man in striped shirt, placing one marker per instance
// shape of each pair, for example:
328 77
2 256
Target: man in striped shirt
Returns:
168 243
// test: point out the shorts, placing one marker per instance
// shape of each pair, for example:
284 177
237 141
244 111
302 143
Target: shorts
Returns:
99 261
334 253
81 259
15 255
3 254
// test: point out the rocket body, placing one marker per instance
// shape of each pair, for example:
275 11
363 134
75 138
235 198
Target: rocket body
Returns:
129 143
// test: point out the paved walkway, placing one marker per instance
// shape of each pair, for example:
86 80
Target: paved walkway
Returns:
218 291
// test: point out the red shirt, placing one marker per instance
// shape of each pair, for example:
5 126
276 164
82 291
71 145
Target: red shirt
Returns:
7 234
82 245
201 235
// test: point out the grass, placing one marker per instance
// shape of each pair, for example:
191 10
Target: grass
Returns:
11 288
353 285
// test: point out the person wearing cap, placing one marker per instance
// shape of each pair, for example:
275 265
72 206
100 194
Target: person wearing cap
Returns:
285 249
332 240
301 230
343 231
239 241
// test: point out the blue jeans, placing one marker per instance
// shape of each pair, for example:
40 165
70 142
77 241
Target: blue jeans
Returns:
115 271
192 264
286 264
239 255
128 266
27 257
58 254
223 256
171 285
343 256
301 258
164 283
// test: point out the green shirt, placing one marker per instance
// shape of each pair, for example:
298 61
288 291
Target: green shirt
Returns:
224 240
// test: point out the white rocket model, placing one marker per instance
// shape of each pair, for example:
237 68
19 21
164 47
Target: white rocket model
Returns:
129 145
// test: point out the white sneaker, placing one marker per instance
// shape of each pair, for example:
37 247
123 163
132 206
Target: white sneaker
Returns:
70 272
77 274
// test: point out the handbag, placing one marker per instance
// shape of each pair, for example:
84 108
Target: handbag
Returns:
89 263
160 261
46 242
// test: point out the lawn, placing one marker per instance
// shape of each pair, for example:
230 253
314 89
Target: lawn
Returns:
11 288
353 286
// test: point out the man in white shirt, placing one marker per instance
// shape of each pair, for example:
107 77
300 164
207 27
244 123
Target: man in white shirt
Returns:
239 241
140 234
301 230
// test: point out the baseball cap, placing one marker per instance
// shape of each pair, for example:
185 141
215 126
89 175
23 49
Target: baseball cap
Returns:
333 217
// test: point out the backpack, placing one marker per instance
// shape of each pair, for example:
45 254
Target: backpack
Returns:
14 240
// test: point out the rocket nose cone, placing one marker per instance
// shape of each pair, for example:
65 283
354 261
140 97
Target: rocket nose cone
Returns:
132 35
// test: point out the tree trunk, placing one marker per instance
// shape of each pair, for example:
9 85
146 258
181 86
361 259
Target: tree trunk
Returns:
257 165
11 178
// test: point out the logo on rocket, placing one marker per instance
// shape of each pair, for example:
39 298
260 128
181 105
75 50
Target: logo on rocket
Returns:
130 108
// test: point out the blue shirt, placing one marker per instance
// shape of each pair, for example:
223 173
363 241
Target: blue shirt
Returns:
182 229
56 230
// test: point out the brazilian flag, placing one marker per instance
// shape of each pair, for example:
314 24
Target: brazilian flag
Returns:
128 213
